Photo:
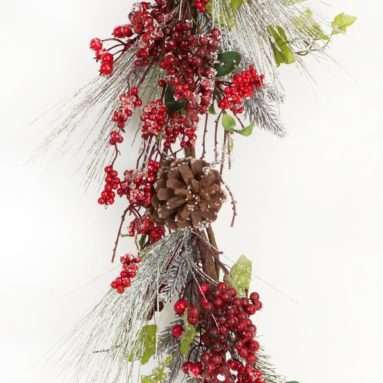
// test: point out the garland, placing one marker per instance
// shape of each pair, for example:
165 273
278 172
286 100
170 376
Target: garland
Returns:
196 73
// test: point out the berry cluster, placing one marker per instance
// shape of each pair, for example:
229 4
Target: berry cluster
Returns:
129 271
188 62
146 22
243 87
225 326
106 58
153 117
201 5
178 127
128 101
137 185
146 226
112 182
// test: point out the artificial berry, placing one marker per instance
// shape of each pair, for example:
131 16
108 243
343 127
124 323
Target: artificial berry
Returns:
177 330
180 306
96 44
242 88
129 271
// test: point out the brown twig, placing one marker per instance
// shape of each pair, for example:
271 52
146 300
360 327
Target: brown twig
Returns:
216 136
119 232
223 153
233 202
204 136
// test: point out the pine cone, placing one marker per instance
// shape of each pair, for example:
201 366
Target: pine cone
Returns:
188 194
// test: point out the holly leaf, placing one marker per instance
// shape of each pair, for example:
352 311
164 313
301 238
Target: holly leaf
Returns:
236 4
171 104
239 276
341 22
187 336
145 346
247 131
228 123
283 54
227 62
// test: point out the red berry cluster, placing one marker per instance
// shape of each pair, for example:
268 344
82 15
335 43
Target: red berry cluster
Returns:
178 127
154 116
129 271
128 101
188 61
112 182
147 21
106 58
137 185
201 5
146 226
243 87
225 326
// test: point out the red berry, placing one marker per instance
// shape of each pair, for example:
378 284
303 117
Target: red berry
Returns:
95 44
106 68
180 306
177 330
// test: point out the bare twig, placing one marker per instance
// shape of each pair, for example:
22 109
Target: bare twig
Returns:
119 232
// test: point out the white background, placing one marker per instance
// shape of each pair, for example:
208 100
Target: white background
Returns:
311 205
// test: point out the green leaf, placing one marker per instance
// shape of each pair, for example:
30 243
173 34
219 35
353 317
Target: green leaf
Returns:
247 131
307 26
228 123
240 275
159 373
236 4
145 346
342 22
292 382
187 337
283 54
227 62
212 109
171 104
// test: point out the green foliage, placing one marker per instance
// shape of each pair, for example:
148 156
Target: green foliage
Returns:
159 374
292 2
307 26
228 123
187 337
283 53
341 22
247 131
227 62
236 4
171 104
146 345
240 275
212 109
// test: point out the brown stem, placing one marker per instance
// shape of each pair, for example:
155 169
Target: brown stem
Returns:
216 136
204 136
119 232
212 240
